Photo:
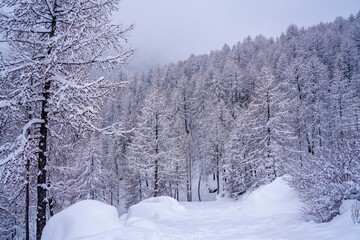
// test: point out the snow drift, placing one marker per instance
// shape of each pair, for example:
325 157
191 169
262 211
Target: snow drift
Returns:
270 212
84 218
275 198
146 213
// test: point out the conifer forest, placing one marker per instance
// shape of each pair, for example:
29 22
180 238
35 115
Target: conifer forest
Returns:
74 124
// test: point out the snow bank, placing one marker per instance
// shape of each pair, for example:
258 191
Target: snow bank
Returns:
345 214
84 218
270 212
146 213
271 199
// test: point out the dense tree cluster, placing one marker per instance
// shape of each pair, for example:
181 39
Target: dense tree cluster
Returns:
245 115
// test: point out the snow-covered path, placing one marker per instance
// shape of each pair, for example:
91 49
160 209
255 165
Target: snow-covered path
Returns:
224 220
271 212
221 220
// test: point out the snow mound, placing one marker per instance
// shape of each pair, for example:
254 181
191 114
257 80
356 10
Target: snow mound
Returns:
345 214
275 198
149 211
84 218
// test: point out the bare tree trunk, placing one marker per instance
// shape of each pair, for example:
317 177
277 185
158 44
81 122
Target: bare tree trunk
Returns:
27 200
177 184
42 160
217 170
199 184
156 174
42 164
188 162
188 180
218 181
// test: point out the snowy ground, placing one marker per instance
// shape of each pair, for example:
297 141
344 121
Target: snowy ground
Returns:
271 212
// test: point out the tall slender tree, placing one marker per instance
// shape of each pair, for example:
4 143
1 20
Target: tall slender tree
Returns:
269 130
149 150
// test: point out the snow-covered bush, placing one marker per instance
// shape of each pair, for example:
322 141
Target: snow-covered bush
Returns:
327 178
355 212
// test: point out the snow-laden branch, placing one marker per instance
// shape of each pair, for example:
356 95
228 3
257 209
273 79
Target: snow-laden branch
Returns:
121 58
17 148
114 129
4 103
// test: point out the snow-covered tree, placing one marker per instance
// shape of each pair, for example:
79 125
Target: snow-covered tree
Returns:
328 177
238 173
268 128
54 47
148 157
215 127
93 179
186 112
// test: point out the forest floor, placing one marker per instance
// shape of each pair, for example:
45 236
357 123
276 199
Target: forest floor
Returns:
270 212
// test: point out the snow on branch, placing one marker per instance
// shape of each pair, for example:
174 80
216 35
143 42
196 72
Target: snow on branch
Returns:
4 103
118 58
114 129
17 147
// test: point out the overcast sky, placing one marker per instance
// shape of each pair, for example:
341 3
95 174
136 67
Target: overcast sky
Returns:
170 30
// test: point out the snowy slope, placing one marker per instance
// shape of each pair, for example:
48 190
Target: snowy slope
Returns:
270 212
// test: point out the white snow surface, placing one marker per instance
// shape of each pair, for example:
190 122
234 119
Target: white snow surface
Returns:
270 212
80 220
146 213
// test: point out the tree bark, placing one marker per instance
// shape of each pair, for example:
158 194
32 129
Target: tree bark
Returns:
42 164
188 180
42 159
156 174
199 186
27 200
217 170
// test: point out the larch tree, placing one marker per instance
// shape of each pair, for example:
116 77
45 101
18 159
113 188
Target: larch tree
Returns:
93 179
216 127
147 156
345 93
55 47
186 113
314 79
238 174
268 128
